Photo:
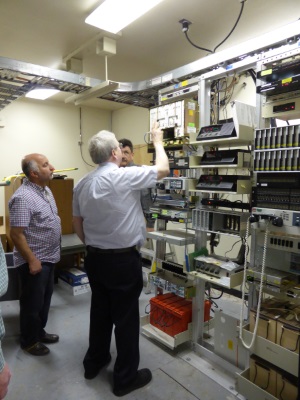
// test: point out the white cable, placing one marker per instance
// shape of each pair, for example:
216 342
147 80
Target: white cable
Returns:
249 346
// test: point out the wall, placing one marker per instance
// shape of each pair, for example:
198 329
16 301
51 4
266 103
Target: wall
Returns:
131 123
53 128
50 128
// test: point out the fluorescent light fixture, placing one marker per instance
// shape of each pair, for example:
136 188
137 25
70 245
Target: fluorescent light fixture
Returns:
114 15
41 94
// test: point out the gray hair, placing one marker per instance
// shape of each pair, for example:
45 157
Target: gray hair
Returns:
101 145
28 166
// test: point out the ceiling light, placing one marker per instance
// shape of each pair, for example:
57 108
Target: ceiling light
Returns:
114 15
41 94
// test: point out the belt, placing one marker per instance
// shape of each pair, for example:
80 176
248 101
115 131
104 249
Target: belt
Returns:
92 249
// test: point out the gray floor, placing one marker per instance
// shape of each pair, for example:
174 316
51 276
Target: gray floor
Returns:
59 375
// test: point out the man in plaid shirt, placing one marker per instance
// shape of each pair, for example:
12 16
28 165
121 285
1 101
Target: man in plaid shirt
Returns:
36 233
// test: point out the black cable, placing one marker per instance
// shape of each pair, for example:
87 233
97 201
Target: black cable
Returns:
252 74
237 21
90 165
228 251
193 44
210 297
213 51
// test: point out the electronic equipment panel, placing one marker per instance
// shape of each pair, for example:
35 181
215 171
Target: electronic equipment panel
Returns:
279 78
219 131
209 201
283 108
218 221
214 267
280 251
181 183
227 183
275 280
238 158
280 71
278 87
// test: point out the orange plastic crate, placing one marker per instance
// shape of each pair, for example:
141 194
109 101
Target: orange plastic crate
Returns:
157 309
171 314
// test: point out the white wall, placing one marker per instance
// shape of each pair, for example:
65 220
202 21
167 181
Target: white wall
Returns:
50 128
53 128
131 123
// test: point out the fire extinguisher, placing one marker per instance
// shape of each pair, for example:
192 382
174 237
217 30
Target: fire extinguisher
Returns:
207 306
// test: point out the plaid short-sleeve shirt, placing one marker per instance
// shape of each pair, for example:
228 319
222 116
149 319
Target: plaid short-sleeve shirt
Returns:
33 208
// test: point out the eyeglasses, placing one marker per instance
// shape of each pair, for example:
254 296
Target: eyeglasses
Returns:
121 145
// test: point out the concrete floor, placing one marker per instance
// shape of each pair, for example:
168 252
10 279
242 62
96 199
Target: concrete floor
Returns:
59 375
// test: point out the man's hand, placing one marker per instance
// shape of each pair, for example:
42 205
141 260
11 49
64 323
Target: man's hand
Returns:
4 381
161 159
156 133
20 242
35 266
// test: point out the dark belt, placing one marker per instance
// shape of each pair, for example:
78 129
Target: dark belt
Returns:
92 249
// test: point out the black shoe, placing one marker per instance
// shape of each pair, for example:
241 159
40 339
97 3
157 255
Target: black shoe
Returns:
91 373
49 338
143 377
38 349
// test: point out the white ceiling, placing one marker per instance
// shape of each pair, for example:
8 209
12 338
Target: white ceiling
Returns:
44 32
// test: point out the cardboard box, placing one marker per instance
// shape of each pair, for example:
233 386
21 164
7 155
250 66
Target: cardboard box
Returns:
75 290
288 333
266 326
263 374
271 310
74 276
287 386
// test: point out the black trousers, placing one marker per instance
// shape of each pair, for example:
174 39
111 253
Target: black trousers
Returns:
116 282
35 299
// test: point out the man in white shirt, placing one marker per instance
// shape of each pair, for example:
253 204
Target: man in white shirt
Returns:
108 218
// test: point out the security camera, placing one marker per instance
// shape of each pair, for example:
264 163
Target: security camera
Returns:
185 24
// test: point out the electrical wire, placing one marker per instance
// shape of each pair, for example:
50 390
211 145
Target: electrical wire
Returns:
224 40
81 142
215 298
228 251
237 21
193 44
250 345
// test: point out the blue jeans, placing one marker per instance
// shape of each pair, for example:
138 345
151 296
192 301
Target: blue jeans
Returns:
35 299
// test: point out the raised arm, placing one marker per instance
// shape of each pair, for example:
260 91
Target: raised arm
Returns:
161 159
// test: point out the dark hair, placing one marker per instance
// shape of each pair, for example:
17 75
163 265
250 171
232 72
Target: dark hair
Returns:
127 143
